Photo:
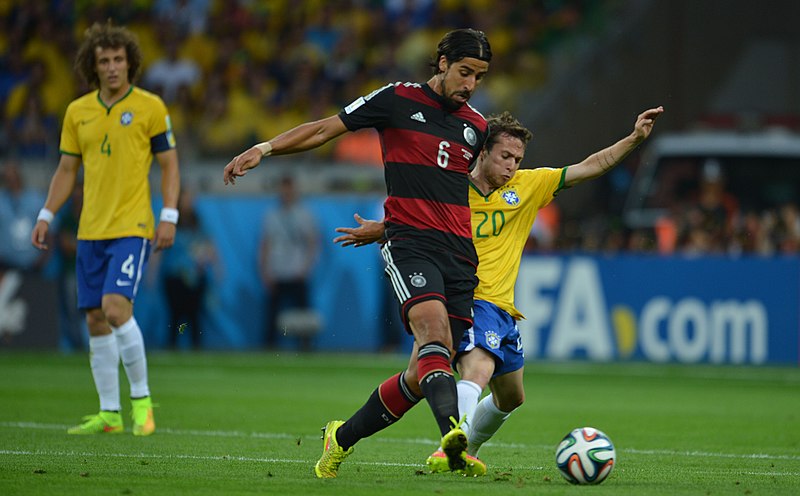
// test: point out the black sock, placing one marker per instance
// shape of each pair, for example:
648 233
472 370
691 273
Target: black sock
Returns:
385 406
437 383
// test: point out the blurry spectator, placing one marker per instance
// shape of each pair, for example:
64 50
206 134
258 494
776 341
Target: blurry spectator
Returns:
788 235
19 207
13 69
321 31
752 234
544 230
183 113
666 231
703 222
218 131
361 147
716 207
33 134
184 16
185 270
166 75
73 324
289 251
32 85
52 46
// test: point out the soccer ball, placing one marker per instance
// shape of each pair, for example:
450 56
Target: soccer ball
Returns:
585 456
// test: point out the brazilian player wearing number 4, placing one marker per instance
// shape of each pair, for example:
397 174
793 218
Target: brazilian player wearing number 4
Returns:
430 137
114 132
504 203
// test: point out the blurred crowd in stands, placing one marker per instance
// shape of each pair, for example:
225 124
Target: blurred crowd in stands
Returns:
233 70
712 223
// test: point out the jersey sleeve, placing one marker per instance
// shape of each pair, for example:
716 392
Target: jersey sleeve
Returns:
545 183
373 110
69 134
161 135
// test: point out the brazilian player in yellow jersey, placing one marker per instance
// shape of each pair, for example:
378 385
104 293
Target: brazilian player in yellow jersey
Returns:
114 132
504 202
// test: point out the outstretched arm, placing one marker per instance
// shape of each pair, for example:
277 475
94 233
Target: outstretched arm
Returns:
301 138
597 164
367 232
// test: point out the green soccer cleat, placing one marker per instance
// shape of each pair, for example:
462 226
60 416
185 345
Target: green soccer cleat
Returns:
100 423
438 463
333 455
142 414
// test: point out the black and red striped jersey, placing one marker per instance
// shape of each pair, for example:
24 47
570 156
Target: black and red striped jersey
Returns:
428 150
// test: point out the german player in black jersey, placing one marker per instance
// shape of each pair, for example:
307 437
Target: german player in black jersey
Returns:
430 136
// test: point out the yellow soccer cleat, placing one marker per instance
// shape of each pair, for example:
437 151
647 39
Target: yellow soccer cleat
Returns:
333 455
454 446
438 463
142 414
100 423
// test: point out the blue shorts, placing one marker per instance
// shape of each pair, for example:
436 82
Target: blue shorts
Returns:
110 266
495 331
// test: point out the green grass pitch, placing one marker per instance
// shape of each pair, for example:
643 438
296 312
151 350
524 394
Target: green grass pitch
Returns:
248 423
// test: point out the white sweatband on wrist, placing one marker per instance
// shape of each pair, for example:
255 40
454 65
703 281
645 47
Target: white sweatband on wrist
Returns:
265 148
169 215
45 215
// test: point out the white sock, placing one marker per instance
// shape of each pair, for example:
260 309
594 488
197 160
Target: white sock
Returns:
104 360
131 350
468 395
485 422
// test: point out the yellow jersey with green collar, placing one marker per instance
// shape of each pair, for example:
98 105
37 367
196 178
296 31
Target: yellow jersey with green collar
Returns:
501 223
116 145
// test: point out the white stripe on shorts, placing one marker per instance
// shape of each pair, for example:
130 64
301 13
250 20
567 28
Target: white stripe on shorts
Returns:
139 268
400 288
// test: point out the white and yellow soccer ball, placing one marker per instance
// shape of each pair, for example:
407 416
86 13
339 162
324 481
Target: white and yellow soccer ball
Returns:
585 456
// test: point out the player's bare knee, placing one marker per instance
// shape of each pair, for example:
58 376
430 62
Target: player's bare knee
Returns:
481 377
117 309
96 322
432 332
430 323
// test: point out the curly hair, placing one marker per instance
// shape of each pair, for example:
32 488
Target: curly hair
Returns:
107 36
507 124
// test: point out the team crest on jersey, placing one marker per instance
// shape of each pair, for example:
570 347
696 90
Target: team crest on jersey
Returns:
470 135
511 197
492 339
127 118
418 280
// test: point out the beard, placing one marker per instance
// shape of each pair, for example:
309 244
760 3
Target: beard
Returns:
449 103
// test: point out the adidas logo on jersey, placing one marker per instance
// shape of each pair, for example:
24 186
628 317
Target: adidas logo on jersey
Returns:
419 117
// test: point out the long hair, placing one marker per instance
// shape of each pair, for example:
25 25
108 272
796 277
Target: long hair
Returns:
462 43
107 36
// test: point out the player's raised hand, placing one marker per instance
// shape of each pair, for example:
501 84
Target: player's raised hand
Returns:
645 122
367 232
241 164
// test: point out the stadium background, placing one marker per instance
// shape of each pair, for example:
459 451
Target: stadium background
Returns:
575 72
